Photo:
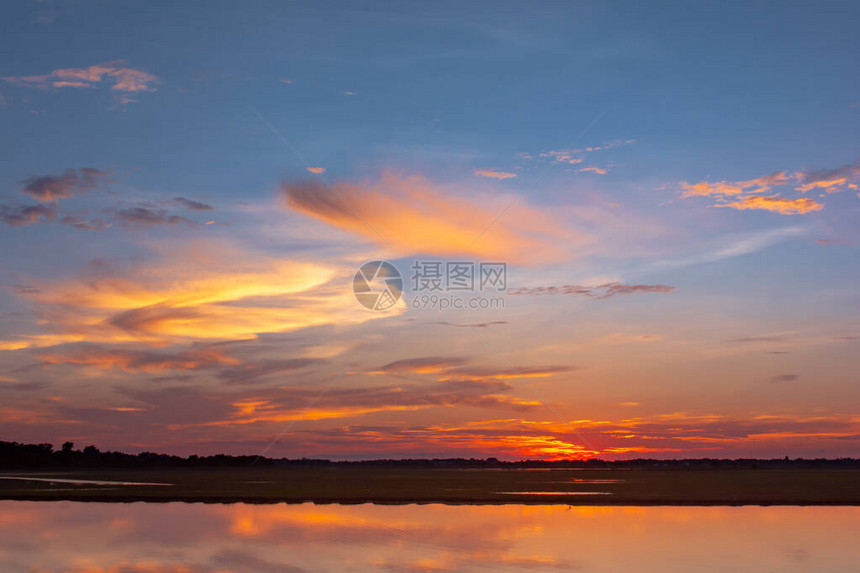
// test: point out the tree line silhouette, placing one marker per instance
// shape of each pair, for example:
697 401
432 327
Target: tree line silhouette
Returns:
14 455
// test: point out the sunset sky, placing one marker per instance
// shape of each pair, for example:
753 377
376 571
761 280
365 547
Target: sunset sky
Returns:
188 190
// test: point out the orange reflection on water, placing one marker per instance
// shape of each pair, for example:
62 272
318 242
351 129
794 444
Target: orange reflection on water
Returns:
66 537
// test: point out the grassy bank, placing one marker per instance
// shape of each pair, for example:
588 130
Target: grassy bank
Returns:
386 485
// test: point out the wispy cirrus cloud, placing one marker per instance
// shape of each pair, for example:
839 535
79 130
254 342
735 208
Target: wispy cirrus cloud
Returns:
412 215
784 378
422 365
575 156
142 216
192 205
123 80
135 360
569 156
474 324
84 224
252 372
289 404
739 245
447 368
494 174
597 170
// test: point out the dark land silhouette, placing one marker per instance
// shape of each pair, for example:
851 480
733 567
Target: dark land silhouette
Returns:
40 472
14 455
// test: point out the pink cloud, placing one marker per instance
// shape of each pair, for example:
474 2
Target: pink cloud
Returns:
494 174
122 79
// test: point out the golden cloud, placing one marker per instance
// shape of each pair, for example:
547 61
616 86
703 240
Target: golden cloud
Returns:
830 180
777 204
757 185
830 185
412 215
208 291
749 194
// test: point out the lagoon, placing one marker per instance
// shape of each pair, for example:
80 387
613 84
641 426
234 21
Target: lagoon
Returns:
92 537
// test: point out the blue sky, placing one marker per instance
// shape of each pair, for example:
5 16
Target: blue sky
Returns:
158 241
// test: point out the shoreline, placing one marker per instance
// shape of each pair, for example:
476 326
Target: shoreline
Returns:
529 500
349 486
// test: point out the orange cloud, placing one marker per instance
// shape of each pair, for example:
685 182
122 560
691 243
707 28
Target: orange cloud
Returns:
424 365
137 360
663 433
757 185
828 185
627 337
264 412
597 170
478 373
316 170
290 404
122 79
207 291
831 180
748 194
455 369
543 447
777 204
131 567
494 174
412 215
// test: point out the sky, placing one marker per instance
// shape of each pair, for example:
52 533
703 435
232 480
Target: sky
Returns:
668 192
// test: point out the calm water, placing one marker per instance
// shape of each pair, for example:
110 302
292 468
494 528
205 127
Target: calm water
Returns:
66 537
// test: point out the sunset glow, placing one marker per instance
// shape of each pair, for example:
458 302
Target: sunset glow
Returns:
619 231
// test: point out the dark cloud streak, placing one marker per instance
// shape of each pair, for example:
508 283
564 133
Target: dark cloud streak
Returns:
49 188
192 205
598 292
